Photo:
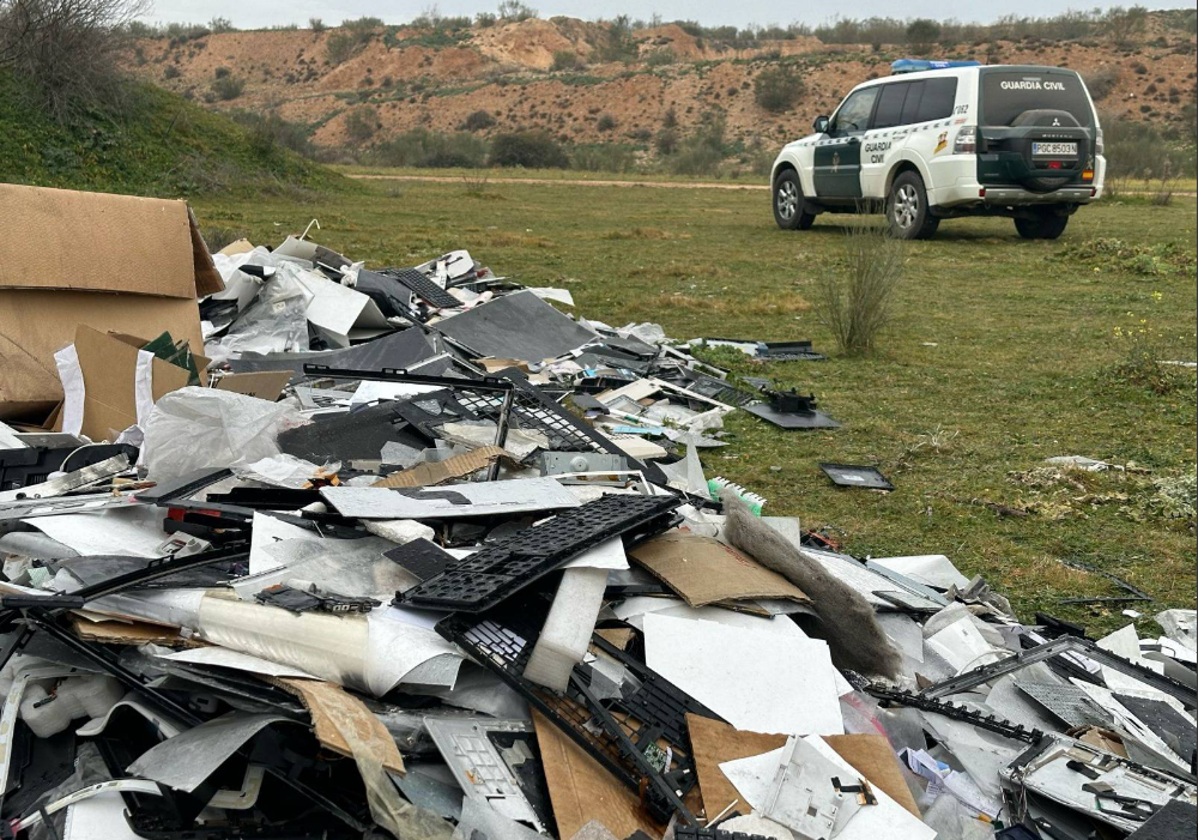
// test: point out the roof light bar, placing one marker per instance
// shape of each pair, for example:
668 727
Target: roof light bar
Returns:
918 65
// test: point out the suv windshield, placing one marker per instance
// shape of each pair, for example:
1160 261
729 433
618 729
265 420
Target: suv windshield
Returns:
1008 93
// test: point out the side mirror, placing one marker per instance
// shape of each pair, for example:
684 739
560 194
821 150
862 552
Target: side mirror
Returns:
822 124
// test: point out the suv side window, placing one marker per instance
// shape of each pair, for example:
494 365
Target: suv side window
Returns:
911 105
854 113
939 96
890 105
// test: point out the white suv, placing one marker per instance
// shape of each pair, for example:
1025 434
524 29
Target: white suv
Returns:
940 140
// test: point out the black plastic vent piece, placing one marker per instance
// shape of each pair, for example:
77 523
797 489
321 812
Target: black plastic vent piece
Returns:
498 571
694 832
422 558
425 289
634 734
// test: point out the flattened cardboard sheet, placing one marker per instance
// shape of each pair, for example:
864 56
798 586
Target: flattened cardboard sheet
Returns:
714 742
872 757
332 708
704 571
430 474
581 790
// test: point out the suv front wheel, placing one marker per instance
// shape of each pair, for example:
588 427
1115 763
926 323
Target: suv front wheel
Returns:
907 208
790 211
1041 225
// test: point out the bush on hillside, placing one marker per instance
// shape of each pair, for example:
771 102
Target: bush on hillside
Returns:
361 124
777 89
429 149
479 120
227 87
1101 82
529 149
566 60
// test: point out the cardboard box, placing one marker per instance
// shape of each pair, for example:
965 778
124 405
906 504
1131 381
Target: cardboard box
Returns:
114 263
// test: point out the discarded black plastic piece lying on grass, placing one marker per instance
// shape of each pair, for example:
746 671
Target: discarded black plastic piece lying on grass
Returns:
788 351
1048 650
623 732
422 558
300 601
850 475
32 465
506 566
768 351
991 723
1134 594
792 410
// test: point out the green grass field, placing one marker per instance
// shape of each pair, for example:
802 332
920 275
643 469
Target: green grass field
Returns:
1003 353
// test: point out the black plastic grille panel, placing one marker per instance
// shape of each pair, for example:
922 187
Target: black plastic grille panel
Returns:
485 578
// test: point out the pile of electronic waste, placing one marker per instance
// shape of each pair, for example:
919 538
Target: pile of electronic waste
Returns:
413 553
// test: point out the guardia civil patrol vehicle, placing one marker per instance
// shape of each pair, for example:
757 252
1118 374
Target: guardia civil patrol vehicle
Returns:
945 139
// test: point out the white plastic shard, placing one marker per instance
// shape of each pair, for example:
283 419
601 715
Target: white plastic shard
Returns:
963 647
223 658
759 681
339 312
567 631
130 531
607 555
753 776
186 760
268 530
888 820
492 498
934 570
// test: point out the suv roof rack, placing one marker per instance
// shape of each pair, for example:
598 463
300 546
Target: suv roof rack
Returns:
918 65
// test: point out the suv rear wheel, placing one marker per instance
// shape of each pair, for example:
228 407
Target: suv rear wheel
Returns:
907 208
790 210
1041 225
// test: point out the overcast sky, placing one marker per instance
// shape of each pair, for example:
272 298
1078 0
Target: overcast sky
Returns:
263 13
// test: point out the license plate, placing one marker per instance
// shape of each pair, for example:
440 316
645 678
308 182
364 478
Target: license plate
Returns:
1054 149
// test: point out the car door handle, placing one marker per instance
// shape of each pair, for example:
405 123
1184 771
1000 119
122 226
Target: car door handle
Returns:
853 141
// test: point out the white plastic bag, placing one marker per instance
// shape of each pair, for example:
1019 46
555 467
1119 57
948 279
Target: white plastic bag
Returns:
196 428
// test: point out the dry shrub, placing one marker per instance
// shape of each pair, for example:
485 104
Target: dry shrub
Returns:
855 301
67 50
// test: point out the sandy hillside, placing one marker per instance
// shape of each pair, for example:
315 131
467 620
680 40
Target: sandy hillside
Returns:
401 78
